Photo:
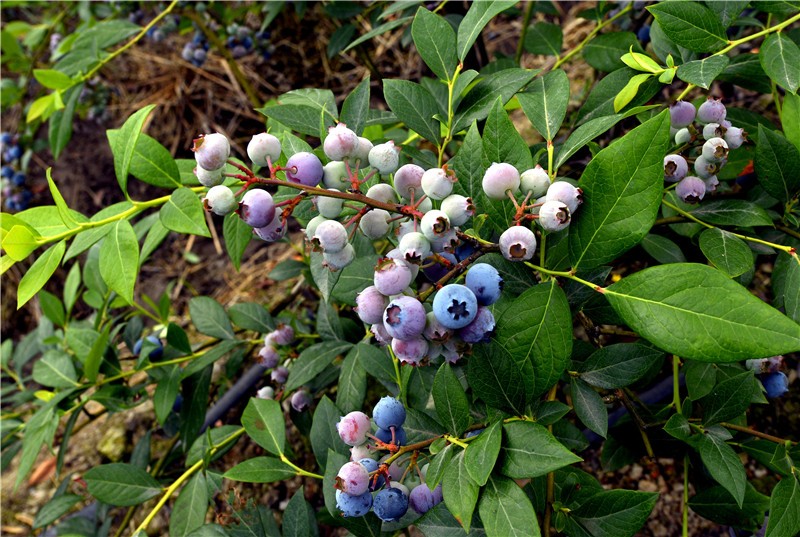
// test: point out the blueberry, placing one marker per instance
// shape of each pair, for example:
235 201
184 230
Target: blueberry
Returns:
487 284
7 171
434 330
353 479
404 318
705 168
713 130
359 453
6 138
480 329
335 261
382 192
735 137
334 175
408 178
715 149
384 157
152 340
329 207
455 306
500 178
220 200
330 236
566 193
390 504
353 506
267 392
209 178
279 375
471 434
18 179
554 215
459 209
385 436
691 189
436 183
711 111
14 152
518 243
211 151
257 208
375 224
389 412
304 168
421 499
410 351
675 168
381 335
435 224
644 34
683 136
353 428
711 183
283 334
392 276
301 400
262 147
362 151
439 266
370 305
376 481
536 181
273 231
415 247
776 384
268 356
340 143
681 114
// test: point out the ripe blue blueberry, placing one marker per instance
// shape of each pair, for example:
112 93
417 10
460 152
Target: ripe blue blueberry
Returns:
480 329
220 200
370 305
340 143
353 506
404 318
681 114
554 216
458 209
385 158
264 146
304 168
390 504
257 208
455 306
437 183
536 181
376 481
691 189
408 178
385 435
152 341
500 178
392 276
675 168
211 151
330 236
484 280
518 243
353 428
776 384
389 412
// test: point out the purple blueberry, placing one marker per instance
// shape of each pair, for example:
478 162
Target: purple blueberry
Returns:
257 208
675 168
389 412
410 351
385 435
711 111
370 305
408 178
518 243
353 428
711 183
211 151
283 334
681 114
484 280
500 178
301 400
422 499
392 276
436 331
691 189
404 318
480 329
273 231
304 168
268 356
353 506
279 375
380 334
390 504
455 306
776 384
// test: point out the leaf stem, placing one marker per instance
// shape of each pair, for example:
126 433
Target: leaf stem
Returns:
676 384
525 22
753 432
685 500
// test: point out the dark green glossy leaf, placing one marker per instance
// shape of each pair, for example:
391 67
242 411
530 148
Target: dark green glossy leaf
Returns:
481 454
209 318
121 484
723 464
589 407
313 360
263 421
693 26
494 377
605 50
237 236
260 470
355 108
480 99
298 519
119 259
529 450
614 513
184 213
545 102
619 365
189 511
324 436
506 511
544 38
778 55
352 380
451 402
662 249
732 213
784 508
414 106
435 40
703 72
725 402
460 491
123 144
725 251
477 17
776 164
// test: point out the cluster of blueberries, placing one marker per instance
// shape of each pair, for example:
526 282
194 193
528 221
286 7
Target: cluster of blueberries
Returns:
270 358
12 179
775 382
720 137
196 50
242 41
358 479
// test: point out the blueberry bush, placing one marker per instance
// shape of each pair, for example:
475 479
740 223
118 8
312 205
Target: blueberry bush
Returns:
487 311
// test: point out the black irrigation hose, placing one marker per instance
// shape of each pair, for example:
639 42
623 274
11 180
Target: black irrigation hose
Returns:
242 387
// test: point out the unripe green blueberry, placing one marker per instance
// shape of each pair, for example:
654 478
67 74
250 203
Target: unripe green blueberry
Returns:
211 150
330 236
683 136
705 168
329 207
715 149
434 224
415 247
536 181
735 137
220 200
334 175
713 130
408 178
500 178
459 209
362 151
375 223
436 183
336 261
554 215
262 147
340 143
311 227
209 178
385 157
382 192
425 205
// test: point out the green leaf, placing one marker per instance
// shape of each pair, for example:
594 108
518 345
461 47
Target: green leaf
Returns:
119 259
601 99
589 407
460 491
313 361
481 454
352 380
791 292
123 144
790 118
778 55
728 10
468 165
166 393
86 238
662 249
54 509
694 26
299 117
583 134
379 30
324 278
529 450
413 105
614 513
776 164
355 108
506 510
438 522
263 421
703 72
209 318
718 505
477 17
629 91
251 316
199 449
184 213
723 464
41 430
209 357
55 370
53 308
60 127
726 251
298 518
189 510
622 190
619 365
477 103
544 38
237 236
40 272
153 164
260 470
732 213
324 436
695 311
195 388
451 402
494 377
536 329
43 107
604 51
725 402
545 102
435 40
121 484
104 34
784 508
